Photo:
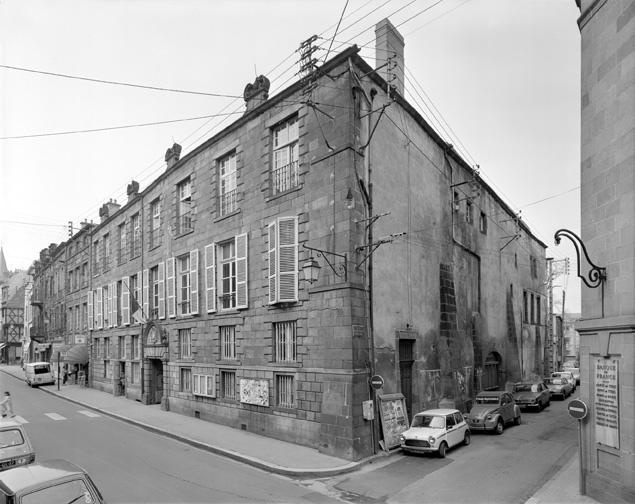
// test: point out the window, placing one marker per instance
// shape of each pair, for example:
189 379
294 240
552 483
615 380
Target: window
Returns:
106 258
106 306
525 307
186 380
285 393
227 195
228 384
283 260
482 223
106 347
285 156
185 343
228 342
183 286
154 293
533 263
69 320
284 334
204 385
184 209
469 212
121 233
227 262
85 275
538 321
532 313
136 373
155 224
107 369
135 239
135 347
117 303
97 258
84 325
77 318
122 347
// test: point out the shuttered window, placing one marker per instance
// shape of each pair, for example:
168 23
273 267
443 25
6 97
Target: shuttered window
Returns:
210 278
283 260
171 286
125 301
89 302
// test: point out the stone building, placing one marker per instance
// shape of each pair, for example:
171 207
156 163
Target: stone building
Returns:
12 285
202 291
607 328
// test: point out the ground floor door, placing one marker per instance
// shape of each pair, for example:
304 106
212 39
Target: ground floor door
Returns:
155 391
406 359
491 371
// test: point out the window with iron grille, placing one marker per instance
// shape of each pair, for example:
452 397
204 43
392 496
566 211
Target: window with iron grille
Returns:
284 335
183 281
186 380
228 384
285 156
285 391
155 224
227 192
184 208
185 343
135 240
227 259
228 342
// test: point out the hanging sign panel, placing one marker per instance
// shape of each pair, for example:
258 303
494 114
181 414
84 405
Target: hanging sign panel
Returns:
607 410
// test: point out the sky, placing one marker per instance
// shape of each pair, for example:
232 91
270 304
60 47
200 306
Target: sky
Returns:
499 79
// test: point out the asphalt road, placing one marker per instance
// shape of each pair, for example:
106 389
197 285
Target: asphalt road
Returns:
129 464
493 469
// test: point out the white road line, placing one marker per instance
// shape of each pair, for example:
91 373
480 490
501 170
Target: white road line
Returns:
55 416
88 413
19 419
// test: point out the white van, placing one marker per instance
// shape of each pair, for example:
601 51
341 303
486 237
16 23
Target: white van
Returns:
38 373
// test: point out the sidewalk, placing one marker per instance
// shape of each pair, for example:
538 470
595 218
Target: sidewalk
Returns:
266 453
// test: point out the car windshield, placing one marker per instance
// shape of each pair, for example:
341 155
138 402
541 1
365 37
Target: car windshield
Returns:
432 421
66 492
487 400
556 381
525 387
11 437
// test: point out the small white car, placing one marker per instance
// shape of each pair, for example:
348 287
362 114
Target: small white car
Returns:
568 374
435 430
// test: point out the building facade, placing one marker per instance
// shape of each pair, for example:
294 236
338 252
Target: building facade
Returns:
201 294
607 328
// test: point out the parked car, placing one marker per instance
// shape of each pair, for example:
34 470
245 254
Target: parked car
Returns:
575 371
492 410
38 373
15 446
52 481
565 374
531 394
559 386
435 430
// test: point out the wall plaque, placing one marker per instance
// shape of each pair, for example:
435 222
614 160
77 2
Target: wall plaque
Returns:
607 410
394 418
254 392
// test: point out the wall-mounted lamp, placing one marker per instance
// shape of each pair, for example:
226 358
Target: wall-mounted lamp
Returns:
350 199
311 268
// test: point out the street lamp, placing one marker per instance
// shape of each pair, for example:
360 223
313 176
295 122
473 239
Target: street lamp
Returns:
312 268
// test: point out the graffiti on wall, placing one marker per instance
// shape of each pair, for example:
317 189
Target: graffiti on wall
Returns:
432 389
254 392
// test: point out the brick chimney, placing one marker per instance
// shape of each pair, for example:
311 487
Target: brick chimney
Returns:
133 190
108 209
389 43
256 93
172 155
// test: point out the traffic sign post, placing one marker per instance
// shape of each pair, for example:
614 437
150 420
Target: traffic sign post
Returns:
579 410
376 381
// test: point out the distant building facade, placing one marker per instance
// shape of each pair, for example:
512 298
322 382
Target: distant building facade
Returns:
12 285
200 295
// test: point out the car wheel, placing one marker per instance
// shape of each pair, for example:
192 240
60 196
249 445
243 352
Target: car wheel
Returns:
442 449
500 427
467 439
517 420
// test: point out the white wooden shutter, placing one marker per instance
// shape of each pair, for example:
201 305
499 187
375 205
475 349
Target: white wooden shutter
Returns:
146 293
89 302
171 287
125 300
273 291
210 278
287 285
241 271
113 287
139 291
194 281
161 279
99 322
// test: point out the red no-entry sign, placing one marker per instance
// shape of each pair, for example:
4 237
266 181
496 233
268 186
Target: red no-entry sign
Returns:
577 409
376 382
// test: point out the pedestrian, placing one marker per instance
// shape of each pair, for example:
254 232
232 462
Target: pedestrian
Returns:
65 376
6 406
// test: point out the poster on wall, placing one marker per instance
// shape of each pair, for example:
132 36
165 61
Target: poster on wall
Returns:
254 392
394 418
607 410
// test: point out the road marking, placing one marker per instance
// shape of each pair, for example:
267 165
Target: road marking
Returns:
19 419
88 413
55 416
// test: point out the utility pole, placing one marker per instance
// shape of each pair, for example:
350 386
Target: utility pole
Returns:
562 342
550 338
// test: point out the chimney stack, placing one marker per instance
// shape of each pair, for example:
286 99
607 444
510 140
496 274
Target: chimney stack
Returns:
256 93
133 190
389 43
108 209
172 155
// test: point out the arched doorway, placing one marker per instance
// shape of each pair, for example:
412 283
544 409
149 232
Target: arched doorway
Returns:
491 371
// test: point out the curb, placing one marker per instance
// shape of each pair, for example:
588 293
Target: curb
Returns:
239 457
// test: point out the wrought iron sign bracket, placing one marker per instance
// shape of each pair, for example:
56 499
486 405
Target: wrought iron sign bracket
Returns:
342 267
